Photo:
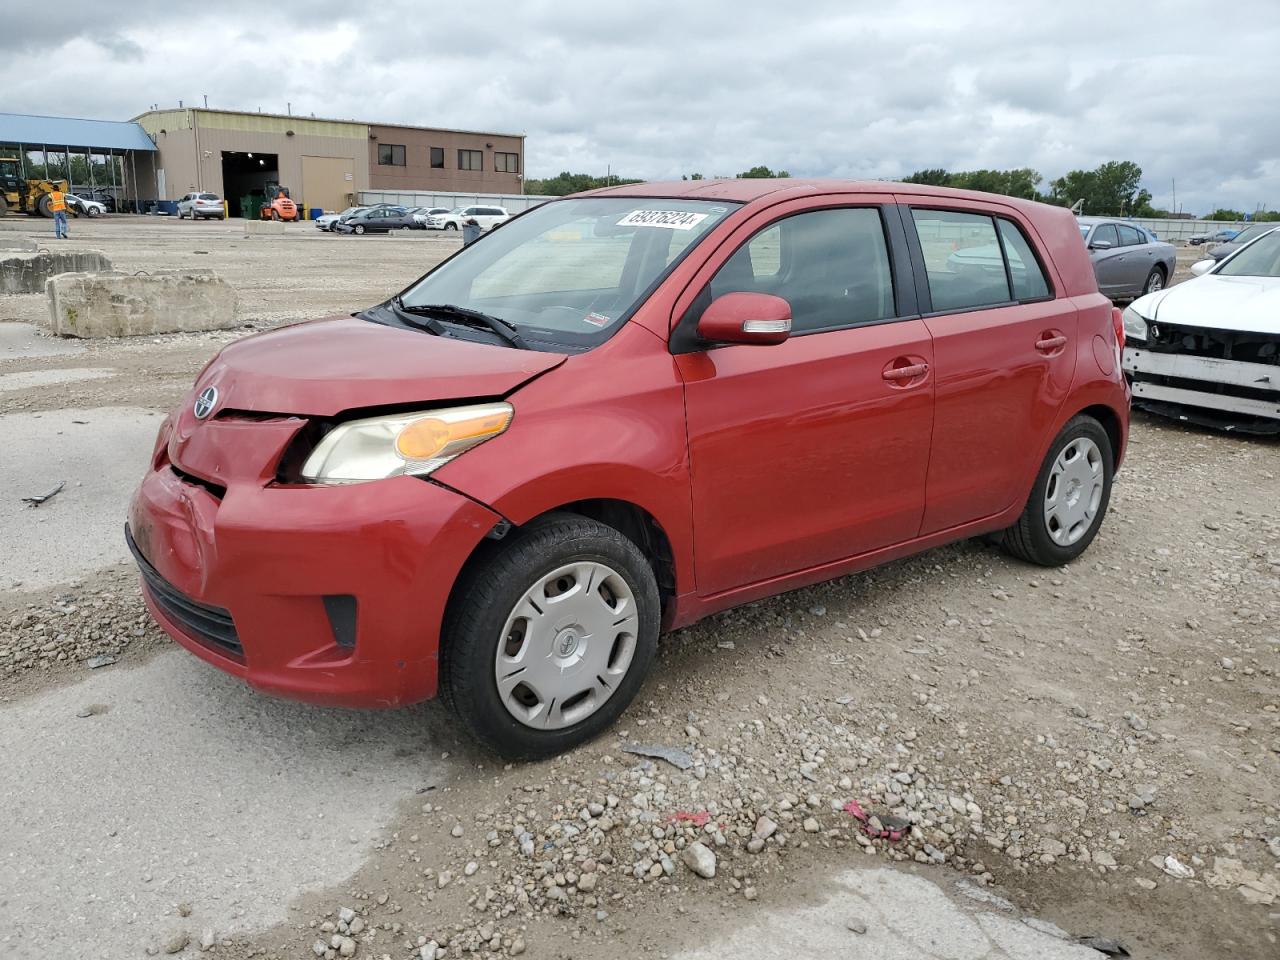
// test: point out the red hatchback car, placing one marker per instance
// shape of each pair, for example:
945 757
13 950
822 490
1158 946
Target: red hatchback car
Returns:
619 413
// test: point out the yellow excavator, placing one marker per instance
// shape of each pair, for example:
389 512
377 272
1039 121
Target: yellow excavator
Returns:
22 195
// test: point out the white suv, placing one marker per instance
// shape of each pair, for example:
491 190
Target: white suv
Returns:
201 206
487 217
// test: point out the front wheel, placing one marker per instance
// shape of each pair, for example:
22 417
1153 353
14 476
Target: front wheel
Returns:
275 215
359 228
451 226
548 641
94 212
1069 498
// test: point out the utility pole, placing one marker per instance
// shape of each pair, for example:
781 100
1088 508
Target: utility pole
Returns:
1175 195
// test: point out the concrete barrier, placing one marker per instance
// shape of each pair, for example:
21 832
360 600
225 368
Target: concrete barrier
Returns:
28 272
125 305
11 242
270 228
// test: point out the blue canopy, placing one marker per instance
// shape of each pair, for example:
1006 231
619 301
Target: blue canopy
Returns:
62 132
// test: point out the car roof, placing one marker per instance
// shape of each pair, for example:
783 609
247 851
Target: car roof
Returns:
744 190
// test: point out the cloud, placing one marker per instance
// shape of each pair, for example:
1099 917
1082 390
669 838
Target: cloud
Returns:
655 90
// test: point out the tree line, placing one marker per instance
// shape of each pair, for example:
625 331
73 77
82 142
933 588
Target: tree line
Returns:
1112 189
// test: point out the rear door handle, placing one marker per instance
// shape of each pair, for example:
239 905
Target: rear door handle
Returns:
1051 343
902 374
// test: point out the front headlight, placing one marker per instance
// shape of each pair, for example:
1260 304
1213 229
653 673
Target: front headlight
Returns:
410 444
1135 324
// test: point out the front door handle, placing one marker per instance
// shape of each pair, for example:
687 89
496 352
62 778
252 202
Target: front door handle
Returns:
1049 344
902 374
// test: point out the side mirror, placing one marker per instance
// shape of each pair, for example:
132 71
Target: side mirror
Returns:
1100 245
1201 267
758 318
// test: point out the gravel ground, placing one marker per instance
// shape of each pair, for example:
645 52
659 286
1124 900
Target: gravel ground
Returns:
1100 742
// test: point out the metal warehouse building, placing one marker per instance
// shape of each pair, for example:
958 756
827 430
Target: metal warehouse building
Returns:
324 163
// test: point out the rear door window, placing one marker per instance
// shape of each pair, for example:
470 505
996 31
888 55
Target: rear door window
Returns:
963 259
1025 272
1130 236
831 266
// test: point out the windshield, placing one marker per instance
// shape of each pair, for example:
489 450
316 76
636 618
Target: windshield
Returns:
1247 234
1260 259
570 271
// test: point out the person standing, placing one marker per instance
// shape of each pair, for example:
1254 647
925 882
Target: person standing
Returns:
58 204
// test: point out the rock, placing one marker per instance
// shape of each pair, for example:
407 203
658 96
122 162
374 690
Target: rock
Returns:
1144 883
755 845
101 660
1053 848
456 831
587 882
124 305
818 610
1177 869
347 947
177 943
207 939
700 860
184 909
765 828
810 825
444 879
318 948
517 946
854 925
346 915
1228 663
470 869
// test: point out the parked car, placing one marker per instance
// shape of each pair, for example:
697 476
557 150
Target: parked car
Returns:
487 217
620 413
201 206
1224 250
1127 260
378 220
81 206
1208 350
326 221
101 195
1222 236
424 214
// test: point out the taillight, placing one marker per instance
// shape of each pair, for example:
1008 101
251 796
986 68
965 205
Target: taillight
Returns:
1117 321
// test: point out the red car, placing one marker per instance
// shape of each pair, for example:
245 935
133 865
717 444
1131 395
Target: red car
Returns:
621 412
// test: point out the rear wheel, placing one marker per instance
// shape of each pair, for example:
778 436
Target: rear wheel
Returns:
44 206
1155 281
1069 498
4 205
93 212
549 641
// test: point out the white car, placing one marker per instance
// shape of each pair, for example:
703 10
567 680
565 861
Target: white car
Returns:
1208 350
201 206
328 221
82 205
423 215
487 217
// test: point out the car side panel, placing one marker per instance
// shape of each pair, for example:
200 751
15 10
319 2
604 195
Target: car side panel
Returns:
617 434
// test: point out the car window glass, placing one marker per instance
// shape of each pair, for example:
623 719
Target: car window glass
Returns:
1028 278
962 259
831 266
1130 236
1107 232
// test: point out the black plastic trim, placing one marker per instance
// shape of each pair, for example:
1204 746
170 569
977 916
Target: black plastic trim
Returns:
340 608
209 624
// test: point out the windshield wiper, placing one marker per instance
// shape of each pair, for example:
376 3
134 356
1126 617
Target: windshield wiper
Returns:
426 324
507 331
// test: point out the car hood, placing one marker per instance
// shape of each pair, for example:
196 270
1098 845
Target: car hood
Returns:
324 367
1244 304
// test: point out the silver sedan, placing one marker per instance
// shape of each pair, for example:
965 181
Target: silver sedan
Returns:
1127 260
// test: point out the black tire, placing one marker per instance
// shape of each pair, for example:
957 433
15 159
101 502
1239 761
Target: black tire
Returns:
1029 538
275 214
358 228
43 206
93 212
484 597
451 226
1155 281
4 206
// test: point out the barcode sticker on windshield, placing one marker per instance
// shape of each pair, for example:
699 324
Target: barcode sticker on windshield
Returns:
667 219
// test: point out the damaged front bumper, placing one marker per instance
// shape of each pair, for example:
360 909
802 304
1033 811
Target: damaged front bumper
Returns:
1217 378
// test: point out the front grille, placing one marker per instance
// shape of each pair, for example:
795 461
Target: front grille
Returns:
1215 344
208 624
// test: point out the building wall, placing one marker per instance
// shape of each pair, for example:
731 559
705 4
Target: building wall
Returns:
418 174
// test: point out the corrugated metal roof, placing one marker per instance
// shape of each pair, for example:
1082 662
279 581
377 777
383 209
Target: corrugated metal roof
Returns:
73 132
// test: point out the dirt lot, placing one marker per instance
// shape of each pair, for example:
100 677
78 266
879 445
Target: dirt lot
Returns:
1053 734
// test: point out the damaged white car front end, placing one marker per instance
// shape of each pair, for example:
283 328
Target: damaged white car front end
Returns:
1208 350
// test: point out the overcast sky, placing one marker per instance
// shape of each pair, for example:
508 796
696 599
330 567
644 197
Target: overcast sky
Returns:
1188 90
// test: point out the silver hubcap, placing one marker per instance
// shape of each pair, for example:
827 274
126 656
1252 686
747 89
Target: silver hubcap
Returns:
566 646
1074 492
